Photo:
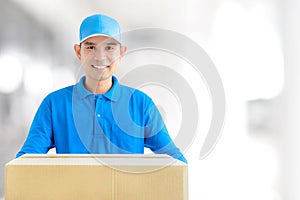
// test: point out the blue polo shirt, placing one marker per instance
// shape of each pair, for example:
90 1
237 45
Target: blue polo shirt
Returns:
76 121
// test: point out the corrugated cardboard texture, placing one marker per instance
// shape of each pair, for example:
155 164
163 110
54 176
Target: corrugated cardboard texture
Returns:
105 177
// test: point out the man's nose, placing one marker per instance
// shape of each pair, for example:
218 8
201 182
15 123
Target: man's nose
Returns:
99 54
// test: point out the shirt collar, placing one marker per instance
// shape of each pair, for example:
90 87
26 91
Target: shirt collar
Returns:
112 94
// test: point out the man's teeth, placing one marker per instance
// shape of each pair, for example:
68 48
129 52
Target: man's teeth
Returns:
99 66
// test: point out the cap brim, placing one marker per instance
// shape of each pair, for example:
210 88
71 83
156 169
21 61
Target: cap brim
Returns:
98 34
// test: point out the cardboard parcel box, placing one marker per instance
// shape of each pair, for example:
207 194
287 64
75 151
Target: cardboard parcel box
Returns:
105 177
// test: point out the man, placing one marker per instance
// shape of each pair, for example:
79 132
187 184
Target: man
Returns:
98 114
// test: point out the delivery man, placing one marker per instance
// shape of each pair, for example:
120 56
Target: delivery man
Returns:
98 115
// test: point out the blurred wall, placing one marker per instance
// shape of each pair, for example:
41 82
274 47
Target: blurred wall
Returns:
22 34
289 123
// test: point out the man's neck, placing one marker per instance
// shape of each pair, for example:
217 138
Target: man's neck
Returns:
98 87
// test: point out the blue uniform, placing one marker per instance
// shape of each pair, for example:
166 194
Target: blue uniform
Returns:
76 121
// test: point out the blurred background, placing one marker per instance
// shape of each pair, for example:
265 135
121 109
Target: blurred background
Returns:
254 45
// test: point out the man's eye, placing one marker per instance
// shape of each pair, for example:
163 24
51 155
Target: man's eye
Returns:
109 48
90 47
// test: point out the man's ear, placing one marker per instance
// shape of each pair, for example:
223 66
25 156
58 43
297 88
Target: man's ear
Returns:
77 51
123 51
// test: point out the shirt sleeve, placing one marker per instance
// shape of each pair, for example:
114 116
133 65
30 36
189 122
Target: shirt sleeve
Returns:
39 139
157 137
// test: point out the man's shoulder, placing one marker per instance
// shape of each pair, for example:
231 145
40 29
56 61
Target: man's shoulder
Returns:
136 96
133 91
61 93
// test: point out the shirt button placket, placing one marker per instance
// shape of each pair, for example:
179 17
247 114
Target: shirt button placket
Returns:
98 106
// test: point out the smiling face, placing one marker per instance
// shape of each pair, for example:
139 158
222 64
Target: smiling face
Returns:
99 56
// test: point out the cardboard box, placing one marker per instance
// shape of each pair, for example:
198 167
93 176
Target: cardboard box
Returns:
105 177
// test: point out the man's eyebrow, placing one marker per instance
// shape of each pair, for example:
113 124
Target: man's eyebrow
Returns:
111 43
108 43
89 43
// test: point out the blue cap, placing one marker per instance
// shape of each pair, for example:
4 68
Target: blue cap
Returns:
99 24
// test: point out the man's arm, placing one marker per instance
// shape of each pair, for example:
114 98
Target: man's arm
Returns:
39 139
157 137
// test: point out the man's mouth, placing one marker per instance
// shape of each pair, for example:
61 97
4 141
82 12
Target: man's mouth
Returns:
99 66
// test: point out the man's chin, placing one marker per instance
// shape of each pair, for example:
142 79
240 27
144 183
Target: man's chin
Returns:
101 78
